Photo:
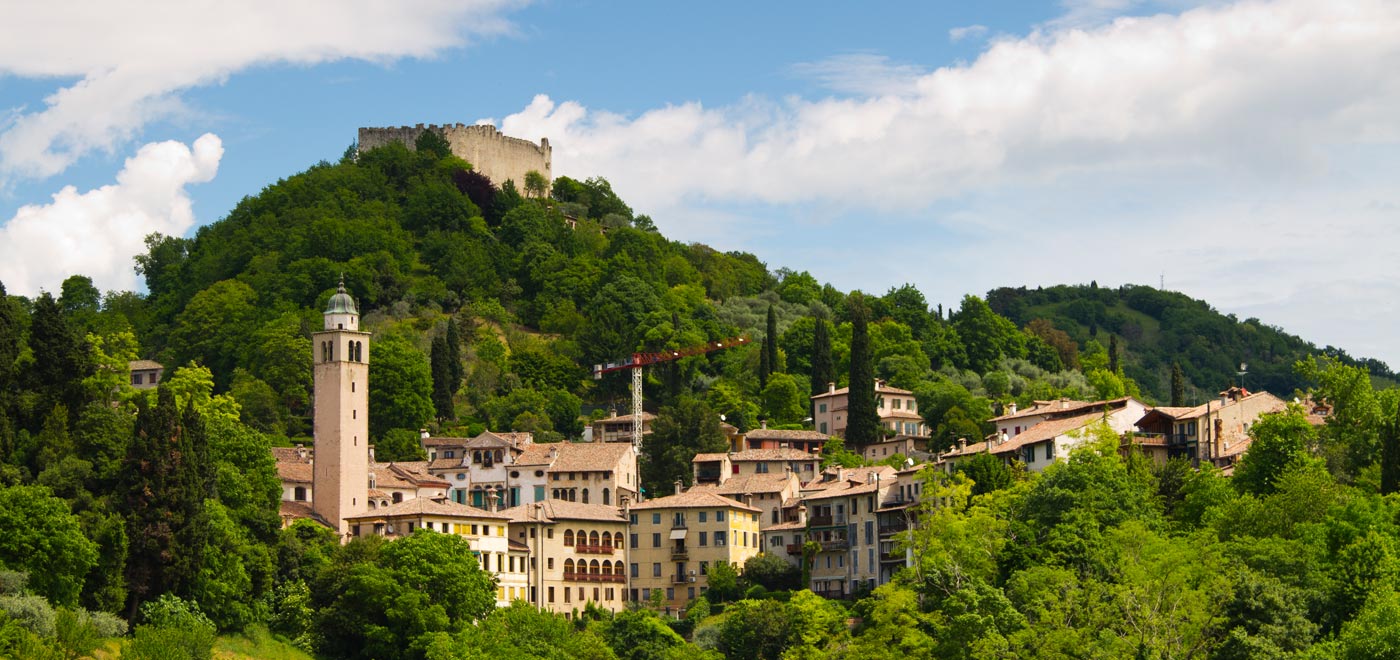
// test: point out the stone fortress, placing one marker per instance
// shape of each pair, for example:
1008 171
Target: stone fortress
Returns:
500 157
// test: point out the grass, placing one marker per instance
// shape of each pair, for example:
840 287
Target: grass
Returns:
256 643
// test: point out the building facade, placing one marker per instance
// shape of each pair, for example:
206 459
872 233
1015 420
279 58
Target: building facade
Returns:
675 540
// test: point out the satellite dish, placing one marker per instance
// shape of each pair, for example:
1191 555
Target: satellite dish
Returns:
909 462
721 417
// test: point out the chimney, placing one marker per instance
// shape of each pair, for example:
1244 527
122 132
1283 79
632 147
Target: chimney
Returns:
680 488
301 451
830 387
493 500
962 443
1064 403
802 514
763 423
553 454
1002 437
1011 408
371 453
423 434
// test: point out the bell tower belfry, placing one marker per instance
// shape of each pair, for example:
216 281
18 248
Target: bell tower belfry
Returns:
340 355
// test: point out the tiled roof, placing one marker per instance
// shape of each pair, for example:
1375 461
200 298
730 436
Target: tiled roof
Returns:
291 454
1045 408
703 458
752 483
517 546
785 434
417 472
772 455
445 442
299 473
785 526
902 414
590 456
1047 430
879 389
447 463
974 448
692 499
848 488
144 365
556 510
423 506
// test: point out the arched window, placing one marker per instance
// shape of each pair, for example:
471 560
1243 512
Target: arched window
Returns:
573 494
500 458
593 539
568 566
606 539
476 457
299 494
398 497
585 496
617 540
607 497
593 567
568 537
617 568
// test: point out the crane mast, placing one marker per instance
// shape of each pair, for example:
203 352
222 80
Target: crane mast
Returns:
642 359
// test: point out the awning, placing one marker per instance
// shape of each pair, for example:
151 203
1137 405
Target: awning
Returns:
678 534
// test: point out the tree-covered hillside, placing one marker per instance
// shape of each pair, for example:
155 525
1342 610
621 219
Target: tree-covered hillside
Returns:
1156 329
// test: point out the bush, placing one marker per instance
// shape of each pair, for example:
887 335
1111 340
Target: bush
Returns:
32 612
12 582
80 631
175 629
16 641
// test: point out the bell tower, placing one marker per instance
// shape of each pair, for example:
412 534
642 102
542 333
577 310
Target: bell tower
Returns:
340 354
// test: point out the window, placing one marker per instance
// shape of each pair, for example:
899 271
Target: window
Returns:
656 540
869 532
569 537
823 427
632 538
704 568
720 538
1050 450
656 569
551 594
607 497
136 379
539 493
632 518
719 516
656 518
702 516
634 569
821 407
895 403
300 494
398 497
549 563
761 468
670 593
703 538
585 496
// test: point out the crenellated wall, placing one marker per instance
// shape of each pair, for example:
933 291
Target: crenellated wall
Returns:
491 152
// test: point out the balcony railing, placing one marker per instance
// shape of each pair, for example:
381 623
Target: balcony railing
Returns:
830 593
594 577
679 579
835 544
886 530
794 548
680 553
892 555
827 521
586 549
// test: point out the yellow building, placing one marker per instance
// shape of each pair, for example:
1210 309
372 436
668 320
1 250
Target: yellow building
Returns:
676 539
578 554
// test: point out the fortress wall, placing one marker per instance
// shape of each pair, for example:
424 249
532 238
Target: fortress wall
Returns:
498 156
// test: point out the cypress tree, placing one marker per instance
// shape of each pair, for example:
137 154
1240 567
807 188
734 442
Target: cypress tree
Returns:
61 359
823 369
166 477
1178 385
1113 353
772 345
454 354
863 422
440 362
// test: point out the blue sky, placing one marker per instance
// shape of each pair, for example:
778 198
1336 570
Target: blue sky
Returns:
1243 152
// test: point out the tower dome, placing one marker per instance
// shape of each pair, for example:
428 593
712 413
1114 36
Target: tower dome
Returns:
341 302
341 313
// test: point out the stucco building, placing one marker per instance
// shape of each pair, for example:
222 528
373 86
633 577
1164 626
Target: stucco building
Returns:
898 411
578 554
674 540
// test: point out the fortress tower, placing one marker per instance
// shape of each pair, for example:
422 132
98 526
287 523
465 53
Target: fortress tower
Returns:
340 475
500 157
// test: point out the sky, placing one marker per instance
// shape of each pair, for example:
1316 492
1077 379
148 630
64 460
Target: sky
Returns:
1244 153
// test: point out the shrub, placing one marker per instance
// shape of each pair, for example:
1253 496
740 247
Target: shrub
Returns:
12 582
32 612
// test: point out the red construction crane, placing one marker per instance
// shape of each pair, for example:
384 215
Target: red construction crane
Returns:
640 360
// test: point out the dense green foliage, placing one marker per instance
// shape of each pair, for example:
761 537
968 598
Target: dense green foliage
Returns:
487 309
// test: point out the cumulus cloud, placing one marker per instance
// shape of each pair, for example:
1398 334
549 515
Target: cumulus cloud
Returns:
132 60
966 32
96 233
1218 132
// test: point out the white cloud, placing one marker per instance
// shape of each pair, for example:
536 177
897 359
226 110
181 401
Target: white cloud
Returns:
966 32
861 73
97 233
133 59
1072 152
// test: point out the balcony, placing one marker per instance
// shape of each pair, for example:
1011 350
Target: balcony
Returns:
892 556
794 548
886 530
680 554
680 579
833 545
594 577
835 594
826 521
585 549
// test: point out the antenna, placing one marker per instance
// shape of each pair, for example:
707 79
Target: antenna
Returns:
1244 369
1162 281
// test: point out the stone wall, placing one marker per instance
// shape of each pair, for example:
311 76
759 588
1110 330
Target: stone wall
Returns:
498 156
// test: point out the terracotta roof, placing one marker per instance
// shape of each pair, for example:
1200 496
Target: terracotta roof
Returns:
773 455
1045 408
902 414
752 483
445 442
144 365
785 434
295 510
489 440
423 506
589 456
375 492
974 448
417 473
291 454
1046 430
784 526
550 511
880 388
1173 411
448 463
702 458
693 499
299 473
848 488
517 546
